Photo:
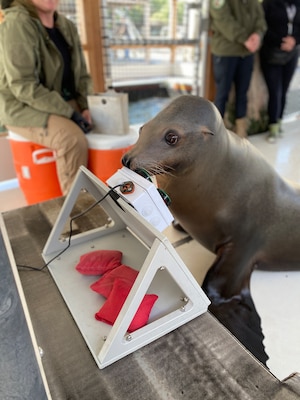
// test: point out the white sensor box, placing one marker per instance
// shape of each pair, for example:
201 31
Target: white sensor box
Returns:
144 198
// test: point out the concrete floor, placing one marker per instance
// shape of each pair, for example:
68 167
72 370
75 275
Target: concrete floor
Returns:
276 295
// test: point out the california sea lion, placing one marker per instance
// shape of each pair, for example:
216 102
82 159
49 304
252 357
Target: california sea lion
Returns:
227 197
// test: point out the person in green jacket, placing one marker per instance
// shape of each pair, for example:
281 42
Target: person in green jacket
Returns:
44 82
237 29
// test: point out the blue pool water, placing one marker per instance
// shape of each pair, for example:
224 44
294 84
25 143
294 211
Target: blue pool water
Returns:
143 110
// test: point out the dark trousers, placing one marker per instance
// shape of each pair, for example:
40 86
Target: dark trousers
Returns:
278 79
228 70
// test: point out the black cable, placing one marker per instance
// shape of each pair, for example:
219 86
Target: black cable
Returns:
71 230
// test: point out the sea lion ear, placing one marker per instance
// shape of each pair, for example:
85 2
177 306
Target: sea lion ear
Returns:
207 131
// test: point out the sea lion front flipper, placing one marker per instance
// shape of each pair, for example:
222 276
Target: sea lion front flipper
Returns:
240 317
227 286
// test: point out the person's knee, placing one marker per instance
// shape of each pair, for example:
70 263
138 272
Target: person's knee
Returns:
65 135
79 142
77 149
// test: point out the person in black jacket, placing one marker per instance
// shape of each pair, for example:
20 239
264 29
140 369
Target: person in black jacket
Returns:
279 56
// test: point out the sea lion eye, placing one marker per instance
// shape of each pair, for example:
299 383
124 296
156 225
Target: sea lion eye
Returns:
171 138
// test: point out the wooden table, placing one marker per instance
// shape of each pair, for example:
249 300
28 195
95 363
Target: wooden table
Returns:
200 360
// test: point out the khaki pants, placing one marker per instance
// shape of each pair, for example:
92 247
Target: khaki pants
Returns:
68 141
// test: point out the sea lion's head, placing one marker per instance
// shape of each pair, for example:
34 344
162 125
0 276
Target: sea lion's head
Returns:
180 135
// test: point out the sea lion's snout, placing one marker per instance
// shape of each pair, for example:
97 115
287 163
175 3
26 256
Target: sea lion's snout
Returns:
131 159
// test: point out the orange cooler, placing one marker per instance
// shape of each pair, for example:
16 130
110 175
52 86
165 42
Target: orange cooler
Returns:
106 151
35 168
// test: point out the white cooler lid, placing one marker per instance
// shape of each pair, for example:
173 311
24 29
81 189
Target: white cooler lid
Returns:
17 137
101 141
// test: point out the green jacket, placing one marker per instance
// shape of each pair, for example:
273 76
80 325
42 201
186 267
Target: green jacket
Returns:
232 22
31 69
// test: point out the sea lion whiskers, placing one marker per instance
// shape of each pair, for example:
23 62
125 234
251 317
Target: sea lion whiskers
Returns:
159 169
155 169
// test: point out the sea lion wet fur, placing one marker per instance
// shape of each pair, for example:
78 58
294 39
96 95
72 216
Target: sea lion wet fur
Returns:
227 197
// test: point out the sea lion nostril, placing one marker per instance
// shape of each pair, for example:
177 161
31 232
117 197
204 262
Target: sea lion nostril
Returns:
126 161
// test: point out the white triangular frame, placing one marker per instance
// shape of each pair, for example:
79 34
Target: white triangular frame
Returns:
181 300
